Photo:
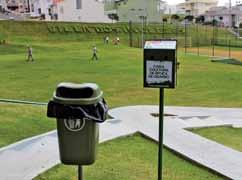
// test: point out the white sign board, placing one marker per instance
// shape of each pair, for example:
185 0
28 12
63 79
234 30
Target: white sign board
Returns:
158 72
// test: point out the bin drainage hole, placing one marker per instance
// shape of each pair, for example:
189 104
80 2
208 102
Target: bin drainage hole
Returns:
166 115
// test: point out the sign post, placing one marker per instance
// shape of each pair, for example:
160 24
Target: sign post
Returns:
80 172
160 66
161 125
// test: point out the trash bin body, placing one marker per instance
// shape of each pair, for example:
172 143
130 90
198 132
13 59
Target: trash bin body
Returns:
78 147
78 109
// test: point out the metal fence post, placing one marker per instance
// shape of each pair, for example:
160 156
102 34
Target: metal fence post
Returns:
130 34
213 38
185 36
198 51
229 48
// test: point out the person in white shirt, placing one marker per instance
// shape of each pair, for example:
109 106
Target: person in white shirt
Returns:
94 53
107 39
30 54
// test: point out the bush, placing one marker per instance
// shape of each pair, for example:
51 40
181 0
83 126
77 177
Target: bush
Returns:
189 18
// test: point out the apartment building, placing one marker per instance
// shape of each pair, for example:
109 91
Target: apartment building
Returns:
224 16
80 11
197 7
3 5
134 10
42 9
69 10
20 6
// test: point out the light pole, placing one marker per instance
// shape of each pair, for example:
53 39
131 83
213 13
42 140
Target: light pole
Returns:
130 28
142 17
142 34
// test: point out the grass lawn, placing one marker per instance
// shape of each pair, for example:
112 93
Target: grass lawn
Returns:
18 122
228 136
132 158
120 75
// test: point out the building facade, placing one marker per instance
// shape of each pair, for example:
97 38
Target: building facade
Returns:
20 6
69 10
42 9
3 5
197 7
174 9
224 16
134 10
80 11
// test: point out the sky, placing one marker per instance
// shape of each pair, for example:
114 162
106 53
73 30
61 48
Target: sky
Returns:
221 2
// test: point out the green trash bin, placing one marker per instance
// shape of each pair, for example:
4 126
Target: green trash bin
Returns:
78 108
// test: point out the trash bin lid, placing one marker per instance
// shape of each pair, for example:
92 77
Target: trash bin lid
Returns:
77 94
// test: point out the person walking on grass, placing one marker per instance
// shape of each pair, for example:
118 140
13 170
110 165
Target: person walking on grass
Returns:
107 39
94 53
30 54
118 40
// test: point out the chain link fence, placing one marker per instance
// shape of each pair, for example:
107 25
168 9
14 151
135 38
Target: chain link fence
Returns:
212 41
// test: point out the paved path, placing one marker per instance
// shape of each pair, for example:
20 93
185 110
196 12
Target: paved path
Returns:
210 154
26 159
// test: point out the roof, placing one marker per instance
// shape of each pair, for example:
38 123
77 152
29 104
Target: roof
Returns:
201 1
215 2
223 11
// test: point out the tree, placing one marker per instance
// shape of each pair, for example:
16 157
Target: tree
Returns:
200 19
189 18
164 20
214 22
175 17
113 17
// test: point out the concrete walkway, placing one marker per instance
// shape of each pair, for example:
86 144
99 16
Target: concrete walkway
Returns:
210 154
28 158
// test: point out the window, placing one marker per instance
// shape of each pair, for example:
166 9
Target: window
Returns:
78 4
62 10
49 11
32 7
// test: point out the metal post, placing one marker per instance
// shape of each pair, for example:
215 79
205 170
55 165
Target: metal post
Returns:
80 173
213 36
145 28
229 49
130 34
185 36
142 36
160 157
230 14
198 41
176 29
